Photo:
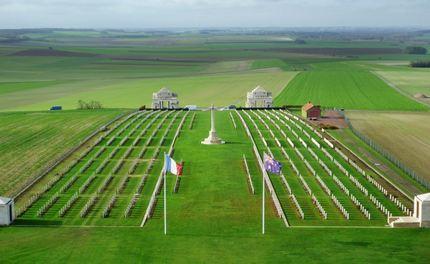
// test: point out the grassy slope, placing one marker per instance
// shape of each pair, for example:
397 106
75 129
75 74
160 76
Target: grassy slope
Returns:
30 141
220 89
344 85
408 138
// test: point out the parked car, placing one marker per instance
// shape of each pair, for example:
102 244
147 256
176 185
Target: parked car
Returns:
56 108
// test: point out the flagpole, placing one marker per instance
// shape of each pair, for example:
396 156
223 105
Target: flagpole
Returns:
165 203
263 204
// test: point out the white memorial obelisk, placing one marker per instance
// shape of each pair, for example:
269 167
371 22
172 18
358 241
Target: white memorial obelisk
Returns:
213 138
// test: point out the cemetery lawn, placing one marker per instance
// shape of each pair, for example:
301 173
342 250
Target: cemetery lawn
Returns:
213 218
149 245
344 85
31 141
408 138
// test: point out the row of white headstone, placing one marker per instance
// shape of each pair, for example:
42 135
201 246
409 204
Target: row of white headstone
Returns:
73 179
296 203
248 175
69 183
400 205
87 183
306 186
122 184
312 170
232 120
340 206
363 210
159 183
45 207
267 181
131 205
117 134
192 121
68 204
132 169
104 184
380 206
88 206
337 181
141 184
319 206
109 206
302 180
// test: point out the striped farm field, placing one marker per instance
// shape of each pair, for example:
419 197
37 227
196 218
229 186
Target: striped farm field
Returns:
116 180
32 141
344 85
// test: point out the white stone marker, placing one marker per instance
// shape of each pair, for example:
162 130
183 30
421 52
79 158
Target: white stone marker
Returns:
213 138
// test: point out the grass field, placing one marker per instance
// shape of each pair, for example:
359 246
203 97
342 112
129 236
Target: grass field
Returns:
30 141
132 93
408 138
298 245
344 85
412 82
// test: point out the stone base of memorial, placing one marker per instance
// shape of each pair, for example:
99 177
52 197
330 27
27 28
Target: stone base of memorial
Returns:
212 139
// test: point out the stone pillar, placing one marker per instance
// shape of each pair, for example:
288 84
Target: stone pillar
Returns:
213 138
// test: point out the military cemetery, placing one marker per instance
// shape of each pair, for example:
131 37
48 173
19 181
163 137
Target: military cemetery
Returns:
214 132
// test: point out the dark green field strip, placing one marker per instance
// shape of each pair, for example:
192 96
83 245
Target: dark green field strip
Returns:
344 85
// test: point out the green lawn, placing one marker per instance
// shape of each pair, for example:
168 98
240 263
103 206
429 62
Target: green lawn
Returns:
410 81
30 141
149 245
344 85
220 89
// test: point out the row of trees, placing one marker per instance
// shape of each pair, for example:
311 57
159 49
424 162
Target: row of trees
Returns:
420 64
89 105
416 50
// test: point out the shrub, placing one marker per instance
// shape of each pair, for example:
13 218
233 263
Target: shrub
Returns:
90 105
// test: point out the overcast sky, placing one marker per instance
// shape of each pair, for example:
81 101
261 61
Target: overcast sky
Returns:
212 13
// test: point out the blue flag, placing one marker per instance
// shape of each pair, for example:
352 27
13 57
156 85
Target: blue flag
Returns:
272 165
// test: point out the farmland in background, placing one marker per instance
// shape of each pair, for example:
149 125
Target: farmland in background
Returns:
344 85
39 68
405 135
201 90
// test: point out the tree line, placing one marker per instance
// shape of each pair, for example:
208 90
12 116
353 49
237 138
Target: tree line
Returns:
89 105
